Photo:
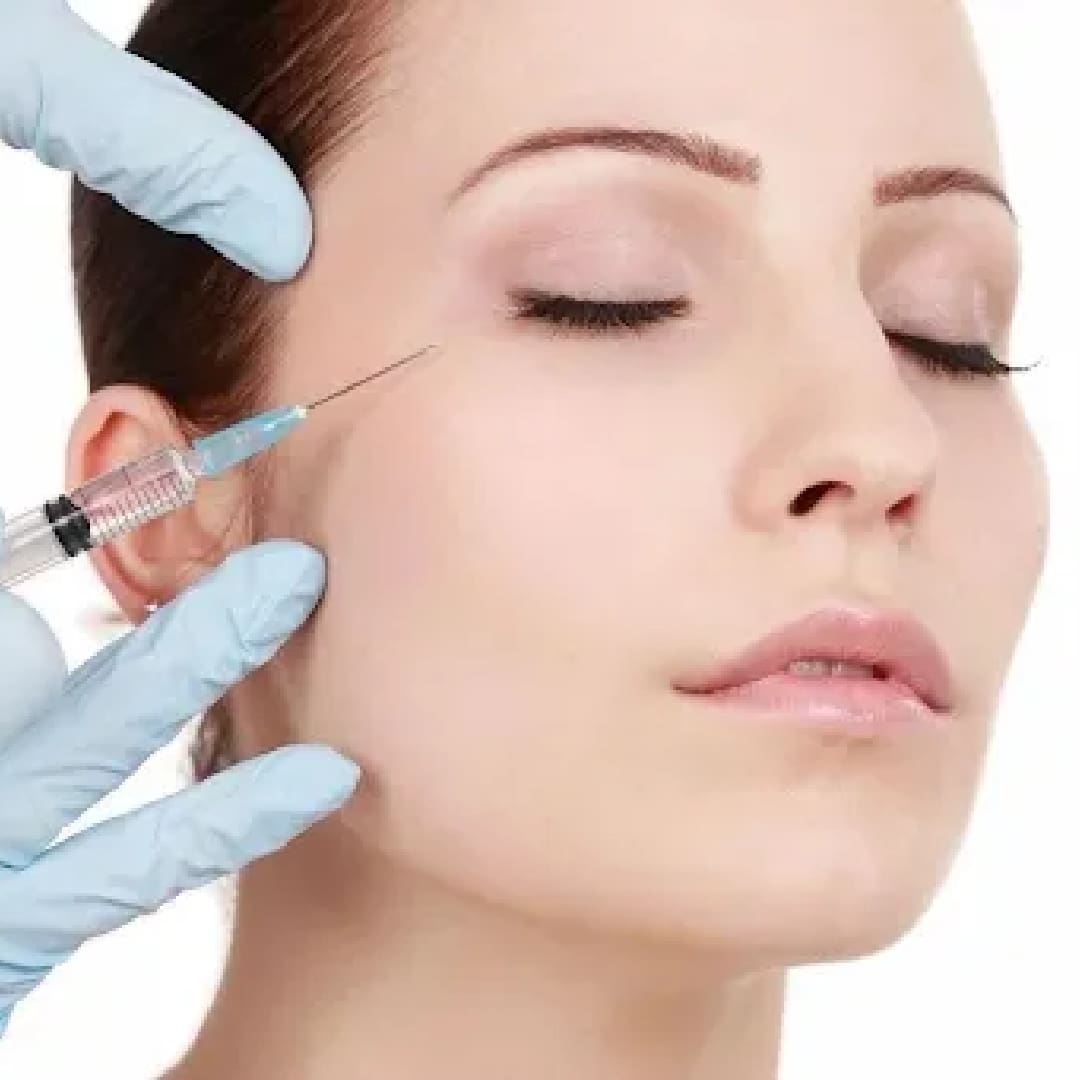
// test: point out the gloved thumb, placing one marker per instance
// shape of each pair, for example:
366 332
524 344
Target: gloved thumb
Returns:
32 663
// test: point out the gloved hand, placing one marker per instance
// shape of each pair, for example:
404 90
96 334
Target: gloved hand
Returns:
67 742
160 147
170 155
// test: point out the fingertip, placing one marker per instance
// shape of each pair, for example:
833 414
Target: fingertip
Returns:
300 564
270 231
273 587
289 243
313 776
330 772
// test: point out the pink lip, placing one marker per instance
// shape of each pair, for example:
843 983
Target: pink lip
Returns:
917 684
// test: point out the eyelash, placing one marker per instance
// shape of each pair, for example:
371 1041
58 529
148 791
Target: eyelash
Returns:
961 360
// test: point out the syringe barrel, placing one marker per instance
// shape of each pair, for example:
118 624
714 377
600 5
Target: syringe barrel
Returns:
31 545
136 494
104 509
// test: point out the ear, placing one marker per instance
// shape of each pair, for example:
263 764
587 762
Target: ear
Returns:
150 566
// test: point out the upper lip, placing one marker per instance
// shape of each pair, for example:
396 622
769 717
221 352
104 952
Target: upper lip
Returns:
896 643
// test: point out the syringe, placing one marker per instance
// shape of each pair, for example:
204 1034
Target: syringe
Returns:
133 495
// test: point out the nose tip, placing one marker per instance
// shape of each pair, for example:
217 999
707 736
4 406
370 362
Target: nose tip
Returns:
862 446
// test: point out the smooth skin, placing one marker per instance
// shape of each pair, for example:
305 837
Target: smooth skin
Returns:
66 741
562 867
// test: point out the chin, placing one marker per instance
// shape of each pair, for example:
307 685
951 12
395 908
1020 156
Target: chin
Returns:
813 894
826 922
822 898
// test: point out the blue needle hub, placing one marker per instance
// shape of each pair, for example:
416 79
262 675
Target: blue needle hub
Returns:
225 449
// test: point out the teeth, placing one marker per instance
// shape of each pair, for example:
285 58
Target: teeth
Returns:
830 667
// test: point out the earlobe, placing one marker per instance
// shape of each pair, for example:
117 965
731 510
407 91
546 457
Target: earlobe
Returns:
149 567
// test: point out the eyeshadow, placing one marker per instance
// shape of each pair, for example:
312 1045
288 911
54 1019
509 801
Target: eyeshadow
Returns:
953 306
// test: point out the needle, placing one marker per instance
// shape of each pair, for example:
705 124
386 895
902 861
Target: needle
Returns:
369 378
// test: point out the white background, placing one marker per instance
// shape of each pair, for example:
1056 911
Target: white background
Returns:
983 987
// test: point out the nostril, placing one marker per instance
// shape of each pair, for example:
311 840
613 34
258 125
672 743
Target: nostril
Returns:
808 499
904 509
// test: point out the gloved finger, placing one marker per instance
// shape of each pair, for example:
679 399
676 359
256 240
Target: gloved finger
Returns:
107 875
153 142
32 666
137 693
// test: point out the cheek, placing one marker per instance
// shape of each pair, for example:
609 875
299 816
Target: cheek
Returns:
489 591
986 532
509 512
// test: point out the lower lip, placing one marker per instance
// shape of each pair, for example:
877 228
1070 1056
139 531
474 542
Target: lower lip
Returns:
847 702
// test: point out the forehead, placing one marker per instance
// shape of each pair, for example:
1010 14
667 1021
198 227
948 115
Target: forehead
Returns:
870 84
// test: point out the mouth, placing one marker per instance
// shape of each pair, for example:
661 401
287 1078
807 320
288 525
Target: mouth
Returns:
838 664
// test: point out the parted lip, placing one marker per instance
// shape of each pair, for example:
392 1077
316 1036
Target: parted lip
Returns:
898 646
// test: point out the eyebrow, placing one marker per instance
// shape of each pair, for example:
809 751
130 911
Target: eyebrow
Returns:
704 154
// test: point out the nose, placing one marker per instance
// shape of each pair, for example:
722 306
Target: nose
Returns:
843 437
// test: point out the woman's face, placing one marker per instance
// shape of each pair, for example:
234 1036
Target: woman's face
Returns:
534 534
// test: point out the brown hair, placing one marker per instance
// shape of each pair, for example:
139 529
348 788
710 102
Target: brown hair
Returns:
165 311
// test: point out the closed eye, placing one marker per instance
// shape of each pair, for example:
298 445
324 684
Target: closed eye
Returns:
958 359
596 316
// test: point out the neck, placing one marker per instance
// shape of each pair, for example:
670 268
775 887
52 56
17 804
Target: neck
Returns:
343 966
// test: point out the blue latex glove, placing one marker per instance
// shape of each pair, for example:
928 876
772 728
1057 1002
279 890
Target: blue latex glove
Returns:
69 741
170 155
161 148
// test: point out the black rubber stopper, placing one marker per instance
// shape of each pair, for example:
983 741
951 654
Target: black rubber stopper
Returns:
70 525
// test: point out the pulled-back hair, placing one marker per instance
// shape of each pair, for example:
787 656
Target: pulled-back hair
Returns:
167 312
